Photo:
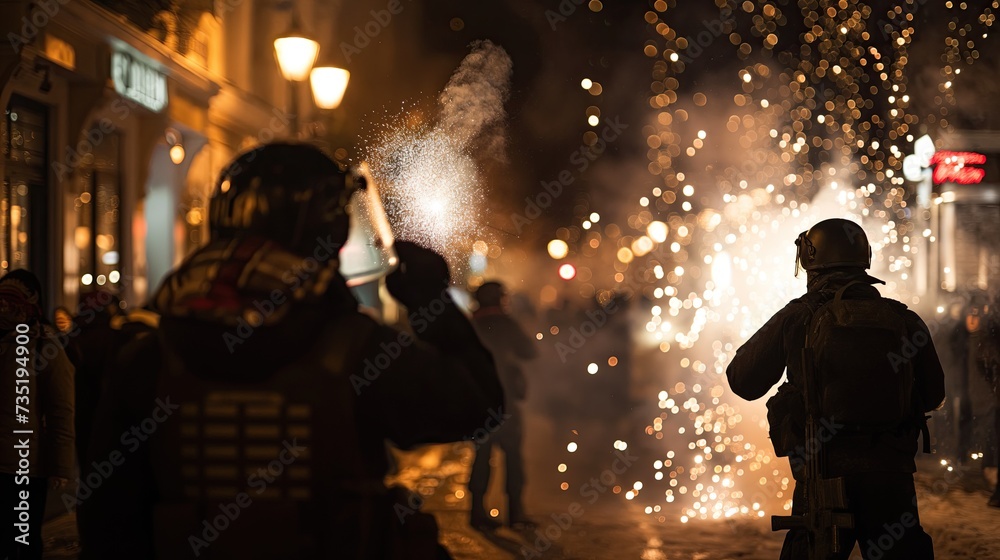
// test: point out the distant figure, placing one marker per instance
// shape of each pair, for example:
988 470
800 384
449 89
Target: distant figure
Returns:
38 378
252 422
509 346
873 373
979 337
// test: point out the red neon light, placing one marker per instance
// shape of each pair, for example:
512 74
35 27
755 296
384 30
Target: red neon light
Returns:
951 167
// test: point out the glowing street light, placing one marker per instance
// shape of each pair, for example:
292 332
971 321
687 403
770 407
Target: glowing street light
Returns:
328 86
296 53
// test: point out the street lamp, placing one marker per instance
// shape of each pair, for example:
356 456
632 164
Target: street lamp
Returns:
916 168
328 86
296 53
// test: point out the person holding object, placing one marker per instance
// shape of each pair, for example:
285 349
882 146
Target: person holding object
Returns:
254 417
36 427
870 372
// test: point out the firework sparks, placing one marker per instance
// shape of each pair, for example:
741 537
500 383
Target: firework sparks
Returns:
433 187
808 134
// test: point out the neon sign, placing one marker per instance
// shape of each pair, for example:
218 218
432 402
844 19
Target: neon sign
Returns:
952 167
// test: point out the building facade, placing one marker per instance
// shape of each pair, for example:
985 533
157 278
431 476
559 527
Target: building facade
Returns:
118 118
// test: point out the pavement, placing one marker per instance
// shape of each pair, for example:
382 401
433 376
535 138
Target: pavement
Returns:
952 507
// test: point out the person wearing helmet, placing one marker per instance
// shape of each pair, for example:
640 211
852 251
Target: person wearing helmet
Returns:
252 422
873 373
510 346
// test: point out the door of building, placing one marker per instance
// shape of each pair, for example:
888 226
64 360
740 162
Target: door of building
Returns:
25 241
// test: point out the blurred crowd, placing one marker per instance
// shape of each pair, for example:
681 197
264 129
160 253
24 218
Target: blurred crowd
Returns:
968 341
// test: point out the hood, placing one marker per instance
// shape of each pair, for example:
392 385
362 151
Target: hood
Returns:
242 308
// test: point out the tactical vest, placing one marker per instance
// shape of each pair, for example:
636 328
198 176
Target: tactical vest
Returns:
863 374
863 383
271 468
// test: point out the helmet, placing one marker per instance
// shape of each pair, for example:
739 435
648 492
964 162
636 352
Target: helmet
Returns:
490 294
289 193
833 243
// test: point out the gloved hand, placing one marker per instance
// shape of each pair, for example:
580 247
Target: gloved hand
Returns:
421 276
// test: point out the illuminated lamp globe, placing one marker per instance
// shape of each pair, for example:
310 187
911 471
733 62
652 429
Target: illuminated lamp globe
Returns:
328 86
296 54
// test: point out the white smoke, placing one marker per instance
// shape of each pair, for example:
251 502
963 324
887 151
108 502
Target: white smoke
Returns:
431 180
472 104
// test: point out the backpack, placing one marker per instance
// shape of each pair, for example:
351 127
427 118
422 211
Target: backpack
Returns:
859 380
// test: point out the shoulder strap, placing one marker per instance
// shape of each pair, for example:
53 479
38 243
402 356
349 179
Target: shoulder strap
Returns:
840 292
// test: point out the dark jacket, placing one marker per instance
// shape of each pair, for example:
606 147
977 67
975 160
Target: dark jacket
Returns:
508 343
342 385
759 364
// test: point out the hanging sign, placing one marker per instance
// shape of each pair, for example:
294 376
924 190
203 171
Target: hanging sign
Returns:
138 81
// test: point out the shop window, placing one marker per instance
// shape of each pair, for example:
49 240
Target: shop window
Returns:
97 205
24 193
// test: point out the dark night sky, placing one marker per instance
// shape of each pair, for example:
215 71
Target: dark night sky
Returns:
553 45
413 57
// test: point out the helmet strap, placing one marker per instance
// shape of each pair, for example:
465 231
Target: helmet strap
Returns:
799 244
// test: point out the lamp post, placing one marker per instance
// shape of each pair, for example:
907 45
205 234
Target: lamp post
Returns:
916 168
296 53
328 87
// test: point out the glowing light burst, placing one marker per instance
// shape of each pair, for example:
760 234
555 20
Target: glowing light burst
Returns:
434 196
712 249
433 188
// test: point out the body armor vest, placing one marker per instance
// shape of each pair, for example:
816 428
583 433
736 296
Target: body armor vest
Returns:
266 467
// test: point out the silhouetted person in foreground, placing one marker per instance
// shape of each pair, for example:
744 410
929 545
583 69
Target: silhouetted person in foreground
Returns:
874 373
510 346
36 415
252 422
